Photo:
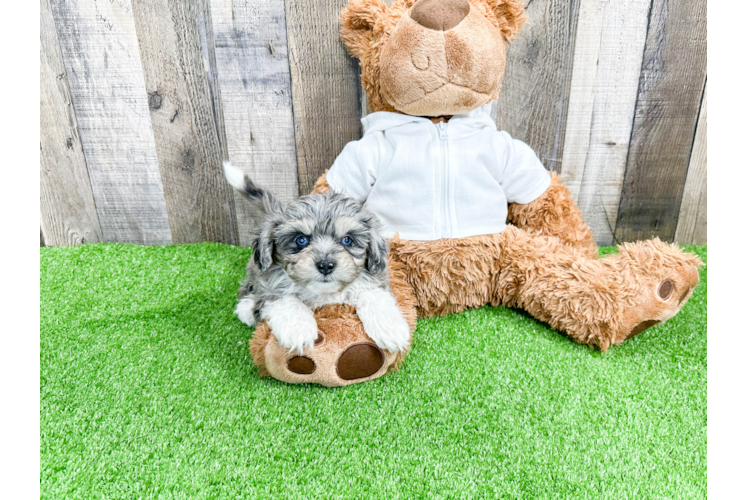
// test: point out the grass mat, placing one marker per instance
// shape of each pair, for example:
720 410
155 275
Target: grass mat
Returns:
147 390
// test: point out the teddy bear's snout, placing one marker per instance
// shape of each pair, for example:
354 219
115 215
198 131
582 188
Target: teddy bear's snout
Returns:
440 15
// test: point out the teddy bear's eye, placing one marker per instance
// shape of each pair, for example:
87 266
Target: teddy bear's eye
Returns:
346 241
302 240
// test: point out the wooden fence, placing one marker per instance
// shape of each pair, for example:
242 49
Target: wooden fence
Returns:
141 100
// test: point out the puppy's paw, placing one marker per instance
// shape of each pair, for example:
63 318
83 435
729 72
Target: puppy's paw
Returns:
297 341
383 321
245 310
292 323
391 333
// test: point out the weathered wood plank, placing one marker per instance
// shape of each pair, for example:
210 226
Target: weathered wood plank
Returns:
255 87
68 212
198 199
100 52
326 89
670 89
534 96
607 63
691 228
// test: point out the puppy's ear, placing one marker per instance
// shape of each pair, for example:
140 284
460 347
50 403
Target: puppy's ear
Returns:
376 253
511 16
264 246
357 21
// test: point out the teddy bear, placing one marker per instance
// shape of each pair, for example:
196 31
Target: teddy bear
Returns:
472 215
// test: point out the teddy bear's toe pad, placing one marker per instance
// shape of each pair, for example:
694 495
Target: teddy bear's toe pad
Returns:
301 365
360 361
665 290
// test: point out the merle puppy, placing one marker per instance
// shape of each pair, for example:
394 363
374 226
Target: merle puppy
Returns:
320 249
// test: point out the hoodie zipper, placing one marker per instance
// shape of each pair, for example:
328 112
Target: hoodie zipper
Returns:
446 228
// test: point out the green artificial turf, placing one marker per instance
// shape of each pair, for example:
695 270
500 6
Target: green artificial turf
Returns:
147 390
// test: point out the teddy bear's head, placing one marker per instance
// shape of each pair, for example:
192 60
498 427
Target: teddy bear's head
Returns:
430 57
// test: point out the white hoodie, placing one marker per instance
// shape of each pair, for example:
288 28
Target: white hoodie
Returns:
427 181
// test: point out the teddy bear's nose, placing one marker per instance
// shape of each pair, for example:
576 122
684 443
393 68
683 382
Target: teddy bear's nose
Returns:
440 15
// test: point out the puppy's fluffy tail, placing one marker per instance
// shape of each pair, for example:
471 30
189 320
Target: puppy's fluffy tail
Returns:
260 199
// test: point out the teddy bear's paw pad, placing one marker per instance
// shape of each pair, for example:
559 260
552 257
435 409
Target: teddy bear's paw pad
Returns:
301 365
644 325
665 290
673 295
360 361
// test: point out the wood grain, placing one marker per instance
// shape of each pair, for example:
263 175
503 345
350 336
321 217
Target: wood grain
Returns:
607 63
670 89
255 92
534 96
100 51
691 228
198 198
68 212
326 88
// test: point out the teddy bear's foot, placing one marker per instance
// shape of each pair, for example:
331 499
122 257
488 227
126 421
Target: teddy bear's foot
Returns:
342 354
598 302
662 278
642 286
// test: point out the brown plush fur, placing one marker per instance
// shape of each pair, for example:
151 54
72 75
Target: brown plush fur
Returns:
555 214
544 262
597 302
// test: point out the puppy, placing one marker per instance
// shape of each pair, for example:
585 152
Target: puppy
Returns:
320 249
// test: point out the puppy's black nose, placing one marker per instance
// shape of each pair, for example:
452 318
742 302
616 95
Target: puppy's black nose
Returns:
325 266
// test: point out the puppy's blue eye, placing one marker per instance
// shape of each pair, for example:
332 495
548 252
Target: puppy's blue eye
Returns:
346 241
302 241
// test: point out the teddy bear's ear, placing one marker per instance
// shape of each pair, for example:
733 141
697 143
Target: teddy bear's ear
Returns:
511 16
357 22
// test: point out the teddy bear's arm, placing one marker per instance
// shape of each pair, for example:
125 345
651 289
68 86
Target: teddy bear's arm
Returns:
554 213
321 186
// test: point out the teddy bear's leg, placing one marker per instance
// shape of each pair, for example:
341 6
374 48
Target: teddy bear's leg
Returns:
554 213
598 302
449 275
343 354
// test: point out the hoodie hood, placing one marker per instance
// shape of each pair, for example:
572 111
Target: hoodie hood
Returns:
385 120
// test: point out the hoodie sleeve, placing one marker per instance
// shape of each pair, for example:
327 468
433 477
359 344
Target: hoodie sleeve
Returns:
524 178
355 169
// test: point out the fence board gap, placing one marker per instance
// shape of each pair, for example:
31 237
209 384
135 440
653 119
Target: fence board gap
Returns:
691 228
534 96
326 98
607 63
68 211
255 88
670 89
198 198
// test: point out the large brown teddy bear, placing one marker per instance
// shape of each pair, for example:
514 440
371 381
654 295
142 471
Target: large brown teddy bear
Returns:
474 217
